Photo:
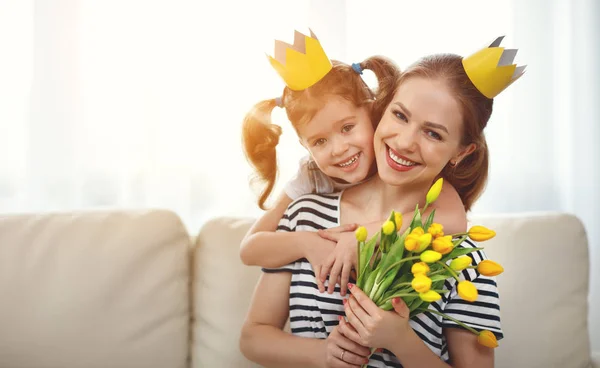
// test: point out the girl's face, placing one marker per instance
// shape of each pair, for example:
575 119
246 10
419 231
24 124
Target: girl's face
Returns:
419 133
340 140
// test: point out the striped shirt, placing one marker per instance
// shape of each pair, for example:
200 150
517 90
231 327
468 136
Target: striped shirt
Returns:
314 314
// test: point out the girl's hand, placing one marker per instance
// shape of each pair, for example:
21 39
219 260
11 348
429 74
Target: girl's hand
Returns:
317 250
342 352
342 260
373 326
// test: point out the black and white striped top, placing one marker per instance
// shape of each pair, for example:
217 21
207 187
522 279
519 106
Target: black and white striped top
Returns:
315 314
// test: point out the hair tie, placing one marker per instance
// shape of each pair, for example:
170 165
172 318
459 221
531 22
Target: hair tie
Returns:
279 102
357 68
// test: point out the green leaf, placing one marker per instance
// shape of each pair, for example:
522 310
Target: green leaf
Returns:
457 252
369 282
416 221
439 277
429 220
366 254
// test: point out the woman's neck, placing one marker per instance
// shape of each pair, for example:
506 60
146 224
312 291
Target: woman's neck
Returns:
374 200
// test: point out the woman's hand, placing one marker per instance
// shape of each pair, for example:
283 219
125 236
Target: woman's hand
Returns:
342 260
342 352
373 326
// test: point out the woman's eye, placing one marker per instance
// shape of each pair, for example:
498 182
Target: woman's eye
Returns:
347 128
400 115
434 135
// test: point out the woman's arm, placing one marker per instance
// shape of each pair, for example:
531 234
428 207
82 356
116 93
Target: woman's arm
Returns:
263 340
465 351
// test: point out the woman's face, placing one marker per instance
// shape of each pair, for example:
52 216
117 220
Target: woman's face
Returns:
340 140
419 133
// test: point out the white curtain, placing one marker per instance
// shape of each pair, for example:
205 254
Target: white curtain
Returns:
138 104
135 103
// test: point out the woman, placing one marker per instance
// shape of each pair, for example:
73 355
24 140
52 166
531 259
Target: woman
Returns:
432 126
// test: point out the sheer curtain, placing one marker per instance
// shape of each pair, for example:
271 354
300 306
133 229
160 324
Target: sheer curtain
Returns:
138 104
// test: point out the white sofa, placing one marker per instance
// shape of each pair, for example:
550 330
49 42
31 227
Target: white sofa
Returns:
124 289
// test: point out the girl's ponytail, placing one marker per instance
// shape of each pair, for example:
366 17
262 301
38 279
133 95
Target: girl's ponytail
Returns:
387 73
260 138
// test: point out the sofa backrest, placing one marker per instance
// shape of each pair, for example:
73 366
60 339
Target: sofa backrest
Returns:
543 291
94 289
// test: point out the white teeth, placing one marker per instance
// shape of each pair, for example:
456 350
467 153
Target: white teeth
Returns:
350 161
399 160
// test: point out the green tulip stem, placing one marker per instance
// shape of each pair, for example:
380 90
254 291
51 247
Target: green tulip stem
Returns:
452 272
450 318
397 263
396 296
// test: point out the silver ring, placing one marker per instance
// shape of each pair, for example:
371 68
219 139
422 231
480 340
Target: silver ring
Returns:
342 356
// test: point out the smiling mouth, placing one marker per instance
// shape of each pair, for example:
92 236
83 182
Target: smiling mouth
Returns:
400 160
349 162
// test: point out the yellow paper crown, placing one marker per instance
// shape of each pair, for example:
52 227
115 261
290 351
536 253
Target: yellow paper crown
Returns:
491 69
302 64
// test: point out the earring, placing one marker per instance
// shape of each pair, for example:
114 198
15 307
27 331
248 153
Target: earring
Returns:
452 163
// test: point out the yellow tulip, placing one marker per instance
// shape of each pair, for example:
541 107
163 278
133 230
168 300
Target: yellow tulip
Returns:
419 268
418 231
421 283
434 191
436 230
361 234
489 268
398 219
423 242
430 256
467 291
411 242
460 263
481 233
430 296
487 338
388 227
443 244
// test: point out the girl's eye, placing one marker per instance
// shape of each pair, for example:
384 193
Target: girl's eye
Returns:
400 115
319 142
434 135
348 127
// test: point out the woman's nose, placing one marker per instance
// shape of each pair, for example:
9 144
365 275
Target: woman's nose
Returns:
406 139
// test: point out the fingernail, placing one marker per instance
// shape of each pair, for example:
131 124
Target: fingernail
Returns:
396 300
344 301
350 286
340 318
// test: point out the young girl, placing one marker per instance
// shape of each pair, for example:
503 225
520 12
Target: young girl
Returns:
333 115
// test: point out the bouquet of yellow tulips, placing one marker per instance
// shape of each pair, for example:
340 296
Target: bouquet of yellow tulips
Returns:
414 265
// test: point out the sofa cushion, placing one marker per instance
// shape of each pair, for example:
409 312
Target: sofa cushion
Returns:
543 290
96 289
222 289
